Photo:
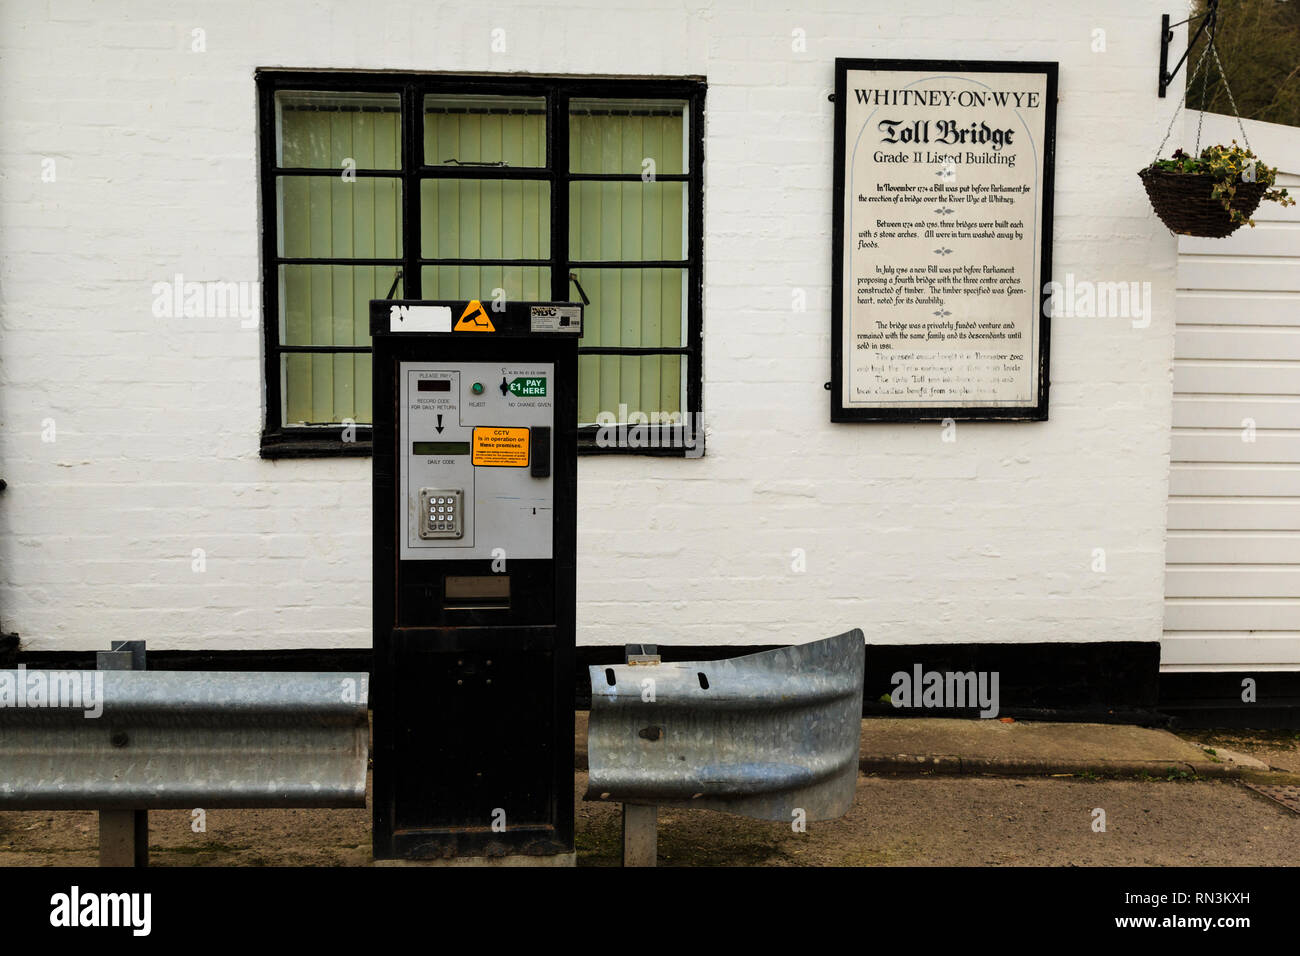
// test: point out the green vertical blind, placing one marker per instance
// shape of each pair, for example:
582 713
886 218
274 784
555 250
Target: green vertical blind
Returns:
336 216
618 136
325 130
485 219
517 283
630 235
614 222
328 305
631 308
485 130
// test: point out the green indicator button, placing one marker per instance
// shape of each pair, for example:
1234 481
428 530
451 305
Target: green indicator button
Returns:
529 387
477 388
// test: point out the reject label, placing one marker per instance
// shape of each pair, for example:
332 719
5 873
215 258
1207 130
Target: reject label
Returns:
501 447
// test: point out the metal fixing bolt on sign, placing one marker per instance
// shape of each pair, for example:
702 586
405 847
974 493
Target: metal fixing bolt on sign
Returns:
501 447
474 319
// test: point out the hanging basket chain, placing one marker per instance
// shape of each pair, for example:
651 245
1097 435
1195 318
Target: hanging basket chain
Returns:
1228 89
1179 108
1205 95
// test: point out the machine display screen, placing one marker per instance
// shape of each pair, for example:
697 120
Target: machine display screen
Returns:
434 385
440 448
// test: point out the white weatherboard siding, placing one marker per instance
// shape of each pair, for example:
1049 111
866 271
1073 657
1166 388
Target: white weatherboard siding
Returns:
993 538
1233 552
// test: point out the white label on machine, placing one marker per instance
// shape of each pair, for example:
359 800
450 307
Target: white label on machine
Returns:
556 318
419 318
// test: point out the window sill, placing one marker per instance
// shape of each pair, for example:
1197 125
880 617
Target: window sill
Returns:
315 443
654 440
591 448
329 443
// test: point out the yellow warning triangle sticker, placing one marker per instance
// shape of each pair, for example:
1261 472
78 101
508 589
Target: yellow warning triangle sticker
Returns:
474 319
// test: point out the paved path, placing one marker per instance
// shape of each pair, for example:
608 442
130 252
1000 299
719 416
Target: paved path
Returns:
951 796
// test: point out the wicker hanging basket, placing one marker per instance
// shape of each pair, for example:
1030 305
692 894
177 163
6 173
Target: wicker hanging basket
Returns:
1184 204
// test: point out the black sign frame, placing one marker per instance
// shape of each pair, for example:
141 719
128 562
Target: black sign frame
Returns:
1034 412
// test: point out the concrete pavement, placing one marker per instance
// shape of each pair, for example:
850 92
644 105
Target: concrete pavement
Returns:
893 745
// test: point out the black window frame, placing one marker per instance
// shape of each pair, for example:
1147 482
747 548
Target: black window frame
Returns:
279 440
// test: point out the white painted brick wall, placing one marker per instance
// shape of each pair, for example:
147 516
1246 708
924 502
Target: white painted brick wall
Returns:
912 539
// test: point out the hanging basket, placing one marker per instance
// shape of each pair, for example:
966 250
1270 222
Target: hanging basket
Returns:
1184 204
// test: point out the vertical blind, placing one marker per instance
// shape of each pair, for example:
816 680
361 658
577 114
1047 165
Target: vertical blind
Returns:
611 224
629 221
331 217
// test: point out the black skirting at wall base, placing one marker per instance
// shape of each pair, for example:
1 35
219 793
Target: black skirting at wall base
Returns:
343 659
1223 700
1113 682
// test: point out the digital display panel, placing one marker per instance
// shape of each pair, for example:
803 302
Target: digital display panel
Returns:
440 448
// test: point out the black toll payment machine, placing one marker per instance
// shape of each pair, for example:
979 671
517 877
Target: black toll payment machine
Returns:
475 517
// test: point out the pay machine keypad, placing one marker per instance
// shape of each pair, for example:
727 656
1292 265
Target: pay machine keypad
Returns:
442 513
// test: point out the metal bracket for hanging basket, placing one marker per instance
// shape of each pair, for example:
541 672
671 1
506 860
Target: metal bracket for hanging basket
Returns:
1209 20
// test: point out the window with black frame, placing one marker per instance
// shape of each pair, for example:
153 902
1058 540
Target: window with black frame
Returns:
460 187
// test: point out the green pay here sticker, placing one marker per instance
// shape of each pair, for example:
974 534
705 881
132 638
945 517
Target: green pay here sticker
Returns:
528 387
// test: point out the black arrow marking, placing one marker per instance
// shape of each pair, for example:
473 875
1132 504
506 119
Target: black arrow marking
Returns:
439 429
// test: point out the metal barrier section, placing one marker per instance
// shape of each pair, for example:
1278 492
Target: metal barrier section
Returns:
156 740
762 736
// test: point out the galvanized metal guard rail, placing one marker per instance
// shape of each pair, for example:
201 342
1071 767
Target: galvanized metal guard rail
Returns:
184 739
769 735
122 740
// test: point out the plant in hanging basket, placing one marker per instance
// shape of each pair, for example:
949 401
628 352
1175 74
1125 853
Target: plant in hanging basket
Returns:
1213 194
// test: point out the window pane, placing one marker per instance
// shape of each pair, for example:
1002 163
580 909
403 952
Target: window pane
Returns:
520 283
327 217
646 384
320 130
609 222
330 305
325 389
485 219
620 136
485 130
633 307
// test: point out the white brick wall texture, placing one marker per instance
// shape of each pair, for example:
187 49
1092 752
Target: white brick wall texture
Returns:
156 420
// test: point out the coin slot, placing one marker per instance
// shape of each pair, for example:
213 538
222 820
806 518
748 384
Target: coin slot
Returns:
465 591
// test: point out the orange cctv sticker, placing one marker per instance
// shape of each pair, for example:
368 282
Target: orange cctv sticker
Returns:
501 447
474 319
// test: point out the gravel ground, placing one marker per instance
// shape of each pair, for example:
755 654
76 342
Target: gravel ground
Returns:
1280 749
895 821
984 821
